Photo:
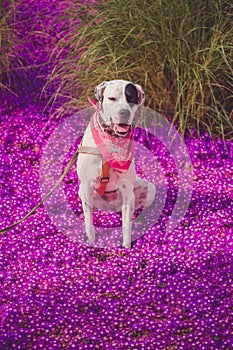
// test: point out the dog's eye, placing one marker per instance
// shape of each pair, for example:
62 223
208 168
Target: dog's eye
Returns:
112 99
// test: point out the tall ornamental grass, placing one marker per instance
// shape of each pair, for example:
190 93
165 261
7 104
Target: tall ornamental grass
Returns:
8 39
24 39
14 50
181 52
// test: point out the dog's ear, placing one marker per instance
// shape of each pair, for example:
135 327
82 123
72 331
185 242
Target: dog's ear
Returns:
141 94
99 91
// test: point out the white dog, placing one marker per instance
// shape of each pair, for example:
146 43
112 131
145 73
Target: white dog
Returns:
105 163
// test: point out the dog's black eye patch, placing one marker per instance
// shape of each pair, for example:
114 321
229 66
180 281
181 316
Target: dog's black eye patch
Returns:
131 94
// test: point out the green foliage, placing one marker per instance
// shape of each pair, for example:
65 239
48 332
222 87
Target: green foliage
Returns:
14 53
179 51
23 39
7 40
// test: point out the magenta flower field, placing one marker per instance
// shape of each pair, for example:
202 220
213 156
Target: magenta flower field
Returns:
171 291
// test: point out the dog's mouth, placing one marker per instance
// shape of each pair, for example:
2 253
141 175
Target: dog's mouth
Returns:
121 129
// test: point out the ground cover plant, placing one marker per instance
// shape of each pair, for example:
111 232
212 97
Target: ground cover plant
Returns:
171 291
8 38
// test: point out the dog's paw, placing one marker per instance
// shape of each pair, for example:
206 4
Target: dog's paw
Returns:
90 233
127 245
91 238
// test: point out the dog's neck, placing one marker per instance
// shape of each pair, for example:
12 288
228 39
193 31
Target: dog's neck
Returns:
105 127
116 151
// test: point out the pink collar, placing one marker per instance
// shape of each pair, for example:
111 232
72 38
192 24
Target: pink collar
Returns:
118 152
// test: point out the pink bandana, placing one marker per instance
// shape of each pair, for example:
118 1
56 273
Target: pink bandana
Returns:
118 152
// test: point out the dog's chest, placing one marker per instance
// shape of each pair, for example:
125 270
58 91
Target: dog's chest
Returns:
114 178
112 198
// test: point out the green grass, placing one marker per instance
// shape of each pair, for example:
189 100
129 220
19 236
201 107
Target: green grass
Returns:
181 52
7 41
14 33
19 42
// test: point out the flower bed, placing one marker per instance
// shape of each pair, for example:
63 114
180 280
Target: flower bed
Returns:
168 292
171 291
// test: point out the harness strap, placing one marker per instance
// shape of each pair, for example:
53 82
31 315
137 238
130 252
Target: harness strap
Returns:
104 178
89 150
105 167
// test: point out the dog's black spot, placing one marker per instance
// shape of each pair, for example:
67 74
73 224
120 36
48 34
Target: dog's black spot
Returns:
131 94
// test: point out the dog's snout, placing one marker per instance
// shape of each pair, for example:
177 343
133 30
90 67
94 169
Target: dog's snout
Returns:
124 113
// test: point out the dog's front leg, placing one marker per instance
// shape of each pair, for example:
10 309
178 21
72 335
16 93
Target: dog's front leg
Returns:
88 216
128 203
87 204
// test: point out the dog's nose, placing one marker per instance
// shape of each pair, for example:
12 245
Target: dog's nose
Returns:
124 113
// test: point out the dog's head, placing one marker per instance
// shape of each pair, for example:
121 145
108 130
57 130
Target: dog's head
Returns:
119 101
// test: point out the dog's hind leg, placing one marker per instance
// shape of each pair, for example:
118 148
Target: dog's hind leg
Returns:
144 193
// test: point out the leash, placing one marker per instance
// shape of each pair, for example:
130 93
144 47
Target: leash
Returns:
81 149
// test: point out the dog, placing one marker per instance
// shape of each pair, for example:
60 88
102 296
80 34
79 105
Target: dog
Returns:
105 167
